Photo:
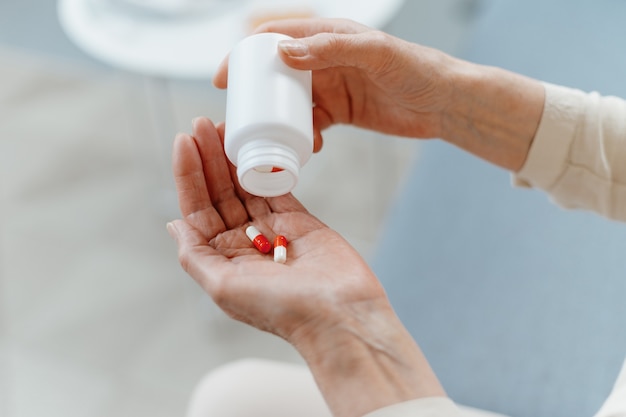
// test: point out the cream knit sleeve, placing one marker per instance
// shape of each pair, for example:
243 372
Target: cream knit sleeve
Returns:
431 407
578 155
423 407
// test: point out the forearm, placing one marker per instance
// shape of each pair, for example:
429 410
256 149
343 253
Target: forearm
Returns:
493 114
367 360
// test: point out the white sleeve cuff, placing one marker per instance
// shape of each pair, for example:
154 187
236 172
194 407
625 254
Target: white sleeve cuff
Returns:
578 152
547 159
422 407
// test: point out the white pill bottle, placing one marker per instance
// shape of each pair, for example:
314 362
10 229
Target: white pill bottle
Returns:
269 117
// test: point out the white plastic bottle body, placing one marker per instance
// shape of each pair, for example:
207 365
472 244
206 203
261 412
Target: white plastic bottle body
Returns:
269 117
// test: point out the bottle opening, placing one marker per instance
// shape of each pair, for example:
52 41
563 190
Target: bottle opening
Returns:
267 169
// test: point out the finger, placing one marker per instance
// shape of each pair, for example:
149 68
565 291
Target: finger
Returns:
300 28
296 28
371 51
318 140
219 183
256 207
321 120
220 79
232 169
193 195
205 264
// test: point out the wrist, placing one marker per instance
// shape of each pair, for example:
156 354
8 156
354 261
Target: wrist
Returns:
493 113
367 356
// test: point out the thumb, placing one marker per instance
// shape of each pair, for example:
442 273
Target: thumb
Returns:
195 255
371 51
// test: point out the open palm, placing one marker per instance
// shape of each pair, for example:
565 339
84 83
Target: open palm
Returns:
323 274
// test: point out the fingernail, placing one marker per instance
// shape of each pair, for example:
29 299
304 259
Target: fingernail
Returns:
194 121
171 229
294 48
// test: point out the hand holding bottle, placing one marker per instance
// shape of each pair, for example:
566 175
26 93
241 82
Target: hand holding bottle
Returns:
376 81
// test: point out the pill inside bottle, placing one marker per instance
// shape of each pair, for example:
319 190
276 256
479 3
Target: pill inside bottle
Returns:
267 169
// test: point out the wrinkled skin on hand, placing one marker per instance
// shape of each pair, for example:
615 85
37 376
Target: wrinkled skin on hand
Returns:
322 279
366 78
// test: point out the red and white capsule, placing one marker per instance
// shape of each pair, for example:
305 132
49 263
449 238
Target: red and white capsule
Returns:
259 241
280 249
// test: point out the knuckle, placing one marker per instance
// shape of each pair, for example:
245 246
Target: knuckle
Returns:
382 48
330 41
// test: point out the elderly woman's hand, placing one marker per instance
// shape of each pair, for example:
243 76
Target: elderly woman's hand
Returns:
364 77
322 276
324 300
376 81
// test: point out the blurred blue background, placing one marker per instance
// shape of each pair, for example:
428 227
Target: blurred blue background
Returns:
518 304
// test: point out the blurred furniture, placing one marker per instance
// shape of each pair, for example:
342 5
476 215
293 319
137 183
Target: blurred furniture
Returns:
519 305
189 45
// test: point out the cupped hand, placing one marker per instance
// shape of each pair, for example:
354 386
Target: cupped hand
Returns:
323 276
365 77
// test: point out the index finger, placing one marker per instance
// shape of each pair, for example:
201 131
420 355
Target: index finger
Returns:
193 195
296 28
219 183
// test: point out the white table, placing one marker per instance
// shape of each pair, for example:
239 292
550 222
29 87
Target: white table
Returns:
188 46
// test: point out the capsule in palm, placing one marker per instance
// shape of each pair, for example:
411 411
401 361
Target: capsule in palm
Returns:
280 249
258 239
